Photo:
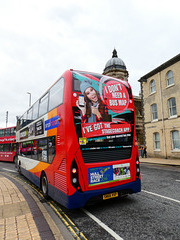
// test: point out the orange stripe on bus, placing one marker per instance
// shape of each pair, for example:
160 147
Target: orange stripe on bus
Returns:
52 132
39 167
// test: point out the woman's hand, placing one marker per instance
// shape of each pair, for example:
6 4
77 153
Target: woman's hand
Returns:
95 111
83 109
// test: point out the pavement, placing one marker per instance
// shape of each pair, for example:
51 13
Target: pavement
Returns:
23 216
161 161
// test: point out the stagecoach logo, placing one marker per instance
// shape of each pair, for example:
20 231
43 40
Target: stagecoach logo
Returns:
52 123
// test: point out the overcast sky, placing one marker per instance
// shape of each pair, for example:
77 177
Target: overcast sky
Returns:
40 39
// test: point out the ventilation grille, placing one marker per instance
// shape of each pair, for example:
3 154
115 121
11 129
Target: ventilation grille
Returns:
58 140
62 166
107 155
60 182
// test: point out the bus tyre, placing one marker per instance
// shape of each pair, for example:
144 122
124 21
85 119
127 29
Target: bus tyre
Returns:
44 185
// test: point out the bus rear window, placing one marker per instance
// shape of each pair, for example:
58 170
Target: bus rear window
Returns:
105 117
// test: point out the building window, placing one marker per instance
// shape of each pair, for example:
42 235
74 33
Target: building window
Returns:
154 111
172 107
170 78
175 140
152 86
156 141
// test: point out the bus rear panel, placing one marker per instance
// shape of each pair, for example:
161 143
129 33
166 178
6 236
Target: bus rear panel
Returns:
83 148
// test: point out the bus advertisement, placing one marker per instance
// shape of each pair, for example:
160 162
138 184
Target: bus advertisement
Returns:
8 144
78 141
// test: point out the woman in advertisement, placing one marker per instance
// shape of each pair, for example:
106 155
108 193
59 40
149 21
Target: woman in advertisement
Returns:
92 109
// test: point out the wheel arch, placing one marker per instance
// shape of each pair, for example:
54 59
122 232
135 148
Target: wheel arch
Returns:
42 174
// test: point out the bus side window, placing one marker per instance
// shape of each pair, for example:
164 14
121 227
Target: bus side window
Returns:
42 150
35 110
6 147
1 132
23 149
56 94
51 148
23 120
29 116
43 105
35 150
7 132
1 147
14 147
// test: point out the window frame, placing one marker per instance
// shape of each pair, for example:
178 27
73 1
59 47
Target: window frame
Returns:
174 140
29 114
35 149
154 112
1 132
170 78
171 107
35 113
43 104
156 141
51 93
152 86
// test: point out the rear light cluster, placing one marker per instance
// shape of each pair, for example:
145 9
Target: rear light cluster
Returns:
75 176
137 167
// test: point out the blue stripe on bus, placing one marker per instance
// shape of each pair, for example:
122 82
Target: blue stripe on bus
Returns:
78 199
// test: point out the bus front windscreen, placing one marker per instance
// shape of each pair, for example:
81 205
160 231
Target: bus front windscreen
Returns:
103 115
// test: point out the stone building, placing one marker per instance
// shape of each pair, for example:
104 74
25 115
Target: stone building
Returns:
115 67
160 90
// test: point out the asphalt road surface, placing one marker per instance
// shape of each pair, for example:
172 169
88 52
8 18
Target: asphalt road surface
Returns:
153 214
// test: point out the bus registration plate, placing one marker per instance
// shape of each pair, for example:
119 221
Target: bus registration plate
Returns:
110 195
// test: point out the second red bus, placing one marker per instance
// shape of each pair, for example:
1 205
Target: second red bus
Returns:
8 144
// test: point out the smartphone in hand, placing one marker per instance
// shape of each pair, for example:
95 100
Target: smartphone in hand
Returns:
81 100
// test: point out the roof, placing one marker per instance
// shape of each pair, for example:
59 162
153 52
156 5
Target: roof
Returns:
115 62
160 68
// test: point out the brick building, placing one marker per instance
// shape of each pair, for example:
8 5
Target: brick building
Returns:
160 90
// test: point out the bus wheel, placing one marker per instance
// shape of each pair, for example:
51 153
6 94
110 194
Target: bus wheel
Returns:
44 185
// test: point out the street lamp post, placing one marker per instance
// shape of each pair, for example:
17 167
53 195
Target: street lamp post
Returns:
6 118
29 98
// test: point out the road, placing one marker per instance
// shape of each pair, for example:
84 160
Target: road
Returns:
152 214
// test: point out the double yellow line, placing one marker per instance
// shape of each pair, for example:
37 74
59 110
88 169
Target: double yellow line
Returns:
65 219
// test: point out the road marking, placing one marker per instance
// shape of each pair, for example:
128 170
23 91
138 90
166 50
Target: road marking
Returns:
155 194
109 230
65 219
177 180
9 170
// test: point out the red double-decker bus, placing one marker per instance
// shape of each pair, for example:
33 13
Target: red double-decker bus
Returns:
78 141
8 144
